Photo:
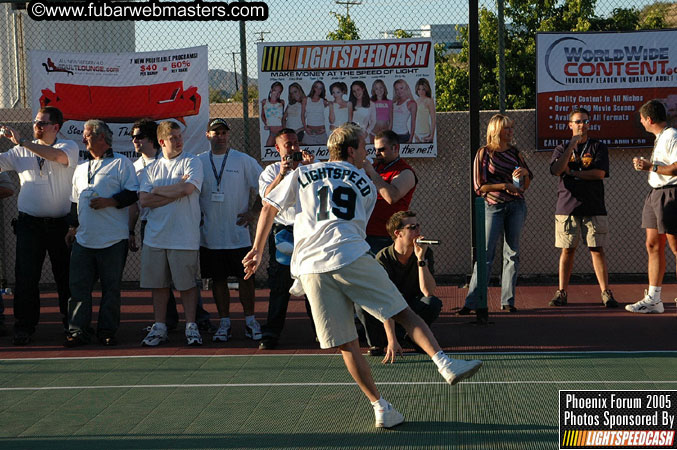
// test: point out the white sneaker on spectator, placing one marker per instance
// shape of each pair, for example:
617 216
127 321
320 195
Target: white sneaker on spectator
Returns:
647 305
459 369
296 289
387 417
252 330
193 334
223 333
156 336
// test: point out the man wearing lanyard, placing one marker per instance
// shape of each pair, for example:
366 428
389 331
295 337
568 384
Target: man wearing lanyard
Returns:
170 188
45 167
396 183
658 217
104 185
229 178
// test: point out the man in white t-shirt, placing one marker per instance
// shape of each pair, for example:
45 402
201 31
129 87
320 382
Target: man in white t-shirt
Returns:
281 239
333 202
45 167
104 185
229 178
170 188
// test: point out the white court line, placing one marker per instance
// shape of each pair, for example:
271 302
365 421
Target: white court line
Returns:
268 355
386 383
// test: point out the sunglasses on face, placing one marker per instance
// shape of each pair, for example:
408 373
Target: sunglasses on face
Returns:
413 226
579 121
41 124
138 136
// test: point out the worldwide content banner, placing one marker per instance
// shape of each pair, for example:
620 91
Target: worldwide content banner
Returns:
120 88
314 87
611 75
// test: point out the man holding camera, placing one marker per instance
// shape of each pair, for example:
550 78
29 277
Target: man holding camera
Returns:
281 239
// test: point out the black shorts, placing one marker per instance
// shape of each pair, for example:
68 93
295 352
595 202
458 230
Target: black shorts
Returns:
660 210
220 264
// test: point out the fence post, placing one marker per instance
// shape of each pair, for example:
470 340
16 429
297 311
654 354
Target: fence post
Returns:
245 83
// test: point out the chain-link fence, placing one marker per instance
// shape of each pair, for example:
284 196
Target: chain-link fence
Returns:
443 196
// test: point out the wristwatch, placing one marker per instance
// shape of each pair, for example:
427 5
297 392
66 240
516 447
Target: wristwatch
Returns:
654 168
22 141
422 263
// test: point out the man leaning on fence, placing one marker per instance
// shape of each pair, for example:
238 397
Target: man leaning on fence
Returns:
581 166
658 215
45 166
104 185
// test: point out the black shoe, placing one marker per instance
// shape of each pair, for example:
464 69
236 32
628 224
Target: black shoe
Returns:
21 338
608 299
74 340
375 351
268 343
509 308
560 298
206 326
465 311
108 341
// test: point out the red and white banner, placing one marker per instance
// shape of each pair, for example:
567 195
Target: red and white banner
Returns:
316 86
609 74
120 88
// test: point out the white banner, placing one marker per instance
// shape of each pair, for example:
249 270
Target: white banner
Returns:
313 87
609 74
120 88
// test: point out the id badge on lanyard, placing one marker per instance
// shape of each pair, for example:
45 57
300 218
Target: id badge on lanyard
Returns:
218 196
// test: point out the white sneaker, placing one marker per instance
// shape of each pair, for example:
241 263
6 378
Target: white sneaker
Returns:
296 289
459 369
252 330
387 417
193 334
223 333
156 336
647 305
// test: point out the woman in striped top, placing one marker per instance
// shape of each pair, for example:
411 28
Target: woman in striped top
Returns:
496 166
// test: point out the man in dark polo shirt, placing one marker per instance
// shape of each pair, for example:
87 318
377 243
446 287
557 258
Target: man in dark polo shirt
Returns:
410 267
581 166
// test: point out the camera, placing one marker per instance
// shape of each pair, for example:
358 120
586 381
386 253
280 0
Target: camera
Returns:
297 156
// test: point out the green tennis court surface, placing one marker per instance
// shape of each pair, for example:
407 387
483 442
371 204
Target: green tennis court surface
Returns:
301 401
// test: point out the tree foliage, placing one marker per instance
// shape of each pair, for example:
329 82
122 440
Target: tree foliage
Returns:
346 31
523 19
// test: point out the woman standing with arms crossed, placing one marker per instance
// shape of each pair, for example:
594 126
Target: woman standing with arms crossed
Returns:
495 167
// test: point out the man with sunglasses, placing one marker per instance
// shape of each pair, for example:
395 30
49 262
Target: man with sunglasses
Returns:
396 182
581 165
45 166
410 266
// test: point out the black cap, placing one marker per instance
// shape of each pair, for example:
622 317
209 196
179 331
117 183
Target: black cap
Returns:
216 123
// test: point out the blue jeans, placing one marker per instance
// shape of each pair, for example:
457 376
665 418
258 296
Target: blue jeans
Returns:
507 218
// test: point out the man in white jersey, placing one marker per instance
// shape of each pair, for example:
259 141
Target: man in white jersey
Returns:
281 239
229 178
170 188
333 201
658 216
104 185
45 167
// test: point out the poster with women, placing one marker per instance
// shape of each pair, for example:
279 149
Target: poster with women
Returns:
314 87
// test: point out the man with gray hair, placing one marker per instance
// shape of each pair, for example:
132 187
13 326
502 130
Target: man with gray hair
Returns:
333 202
104 186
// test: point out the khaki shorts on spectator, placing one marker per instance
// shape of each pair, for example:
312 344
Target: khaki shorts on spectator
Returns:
660 210
332 296
219 264
160 266
568 229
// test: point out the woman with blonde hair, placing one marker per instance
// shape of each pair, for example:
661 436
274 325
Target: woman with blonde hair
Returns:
496 166
425 112
404 112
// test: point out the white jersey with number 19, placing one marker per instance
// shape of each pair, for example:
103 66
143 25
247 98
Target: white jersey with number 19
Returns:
333 202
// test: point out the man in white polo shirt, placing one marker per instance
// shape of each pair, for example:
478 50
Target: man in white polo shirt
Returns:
170 188
104 185
229 178
45 167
